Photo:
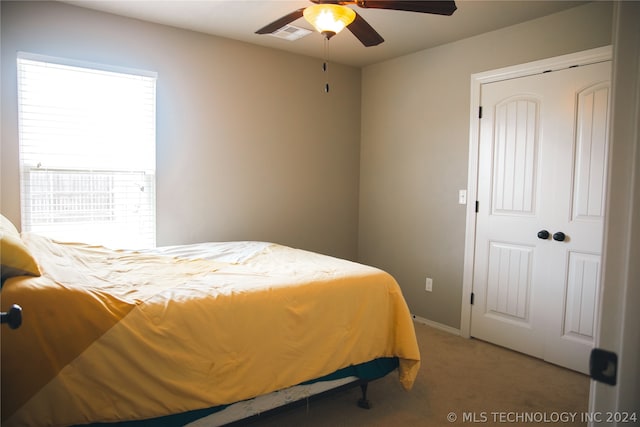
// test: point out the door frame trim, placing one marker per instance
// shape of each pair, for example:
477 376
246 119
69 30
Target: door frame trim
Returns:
586 57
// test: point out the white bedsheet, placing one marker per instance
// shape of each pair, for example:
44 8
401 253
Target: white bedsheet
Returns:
231 252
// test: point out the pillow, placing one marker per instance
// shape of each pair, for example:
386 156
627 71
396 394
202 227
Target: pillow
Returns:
16 260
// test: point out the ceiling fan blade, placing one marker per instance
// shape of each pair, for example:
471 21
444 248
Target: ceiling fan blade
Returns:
423 6
364 32
279 23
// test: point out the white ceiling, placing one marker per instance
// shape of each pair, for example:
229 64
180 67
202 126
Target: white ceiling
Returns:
404 32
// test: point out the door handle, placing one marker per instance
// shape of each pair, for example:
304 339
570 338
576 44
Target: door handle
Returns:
543 234
13 317
559 236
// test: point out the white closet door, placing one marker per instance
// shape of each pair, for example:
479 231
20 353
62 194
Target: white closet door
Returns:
541 169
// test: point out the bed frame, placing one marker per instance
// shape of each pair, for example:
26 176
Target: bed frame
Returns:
264 406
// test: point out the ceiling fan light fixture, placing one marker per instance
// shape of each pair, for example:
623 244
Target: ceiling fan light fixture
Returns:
329 19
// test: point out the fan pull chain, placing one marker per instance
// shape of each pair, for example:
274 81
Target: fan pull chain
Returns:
325 64
325 68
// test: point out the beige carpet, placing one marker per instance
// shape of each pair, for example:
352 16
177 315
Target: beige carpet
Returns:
477 382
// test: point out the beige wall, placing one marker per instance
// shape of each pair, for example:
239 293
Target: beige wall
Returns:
248 145
250 148
414 149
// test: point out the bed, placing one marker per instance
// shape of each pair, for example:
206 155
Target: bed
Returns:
186 334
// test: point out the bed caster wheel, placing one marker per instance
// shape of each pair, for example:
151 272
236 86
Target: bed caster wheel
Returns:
363 402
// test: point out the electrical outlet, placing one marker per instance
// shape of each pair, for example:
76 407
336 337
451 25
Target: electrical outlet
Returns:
428 286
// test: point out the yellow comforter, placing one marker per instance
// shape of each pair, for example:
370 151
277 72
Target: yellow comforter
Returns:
116 335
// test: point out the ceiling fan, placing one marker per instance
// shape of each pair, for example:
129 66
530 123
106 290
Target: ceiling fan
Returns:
331 16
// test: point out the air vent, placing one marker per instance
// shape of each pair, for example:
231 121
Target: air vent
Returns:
290 32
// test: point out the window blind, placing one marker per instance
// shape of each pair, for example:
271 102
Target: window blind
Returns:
87 151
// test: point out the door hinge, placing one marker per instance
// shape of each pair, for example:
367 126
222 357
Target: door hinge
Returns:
472 296
477 206
480 112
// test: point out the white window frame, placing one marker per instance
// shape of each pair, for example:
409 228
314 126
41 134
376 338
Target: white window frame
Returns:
97 191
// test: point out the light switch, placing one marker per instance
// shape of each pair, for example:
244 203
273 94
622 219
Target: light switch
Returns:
462 197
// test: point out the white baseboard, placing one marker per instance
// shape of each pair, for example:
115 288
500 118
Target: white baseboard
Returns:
436 325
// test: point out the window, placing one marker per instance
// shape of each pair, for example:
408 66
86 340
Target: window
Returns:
87 151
